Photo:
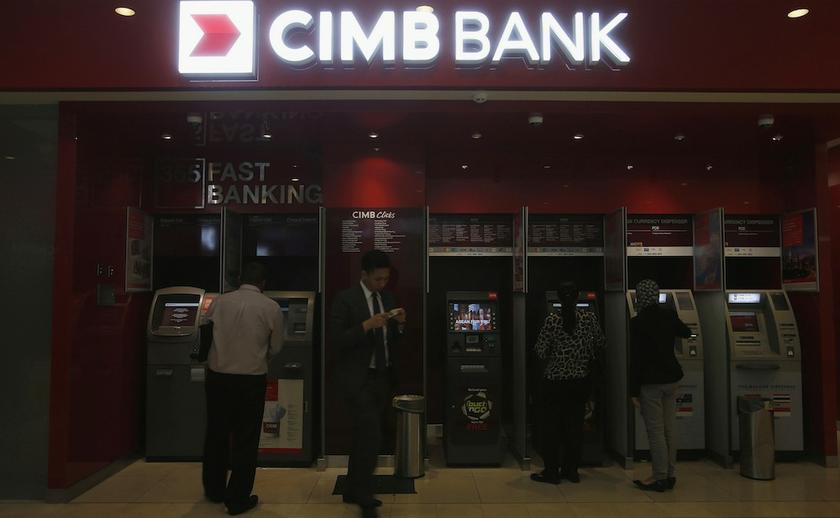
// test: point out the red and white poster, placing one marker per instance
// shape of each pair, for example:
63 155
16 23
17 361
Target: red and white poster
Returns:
708 251
138 250
800 267
282 426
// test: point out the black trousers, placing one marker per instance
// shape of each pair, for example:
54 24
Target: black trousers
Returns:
559 420
369 412
235 405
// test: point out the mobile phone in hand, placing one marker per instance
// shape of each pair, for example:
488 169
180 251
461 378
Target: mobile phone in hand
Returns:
394 312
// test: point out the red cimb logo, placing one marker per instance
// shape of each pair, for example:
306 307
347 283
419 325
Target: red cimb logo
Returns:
220 34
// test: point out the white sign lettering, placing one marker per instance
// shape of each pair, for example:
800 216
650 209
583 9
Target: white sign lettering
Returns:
216 35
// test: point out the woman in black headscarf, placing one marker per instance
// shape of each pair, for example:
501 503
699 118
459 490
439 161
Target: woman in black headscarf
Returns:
654 374
569 343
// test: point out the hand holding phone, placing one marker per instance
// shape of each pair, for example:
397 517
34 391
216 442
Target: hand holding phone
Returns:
396 311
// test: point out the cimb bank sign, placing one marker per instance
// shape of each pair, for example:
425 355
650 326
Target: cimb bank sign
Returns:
218 39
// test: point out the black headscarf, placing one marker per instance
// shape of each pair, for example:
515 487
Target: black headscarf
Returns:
568 295
647 295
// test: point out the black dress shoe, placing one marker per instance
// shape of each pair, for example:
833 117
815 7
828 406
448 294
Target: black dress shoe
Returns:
658 485
242 507
350 499
546 478
571 476
672 481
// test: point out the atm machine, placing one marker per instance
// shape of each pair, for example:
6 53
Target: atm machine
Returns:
691 406
287 433
473 425
175 400
765 361
592 452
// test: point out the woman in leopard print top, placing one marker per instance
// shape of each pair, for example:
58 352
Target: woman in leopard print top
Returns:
569 343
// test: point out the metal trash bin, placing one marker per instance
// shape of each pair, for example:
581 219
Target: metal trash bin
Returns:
757 438
410 444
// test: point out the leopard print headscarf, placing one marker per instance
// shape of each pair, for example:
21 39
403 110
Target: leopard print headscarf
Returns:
647 294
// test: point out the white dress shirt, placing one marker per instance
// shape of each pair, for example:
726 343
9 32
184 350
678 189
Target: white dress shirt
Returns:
247 330
369 299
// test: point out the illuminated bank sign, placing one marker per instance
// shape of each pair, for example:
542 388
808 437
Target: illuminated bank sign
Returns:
217 38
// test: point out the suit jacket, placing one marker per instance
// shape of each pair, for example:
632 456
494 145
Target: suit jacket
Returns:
355 346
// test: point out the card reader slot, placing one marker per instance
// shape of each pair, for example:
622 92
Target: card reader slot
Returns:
474 368
758 366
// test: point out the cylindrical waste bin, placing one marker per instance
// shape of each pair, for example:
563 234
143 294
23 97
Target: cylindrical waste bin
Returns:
757 434
410 446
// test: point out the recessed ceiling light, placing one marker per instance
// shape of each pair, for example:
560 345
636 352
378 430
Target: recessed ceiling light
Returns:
547 166
465 167
629 167
376 149
476 135
294 166
295 179
267 136
124 11
565 186
166 136
425 9
373 134
578 136
684 184
746 203
778 137
9 157
709 167
679 137
798 13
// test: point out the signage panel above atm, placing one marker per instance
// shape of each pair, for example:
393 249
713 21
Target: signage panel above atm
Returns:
219 40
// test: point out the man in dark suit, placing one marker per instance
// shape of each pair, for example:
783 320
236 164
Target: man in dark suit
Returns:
366 327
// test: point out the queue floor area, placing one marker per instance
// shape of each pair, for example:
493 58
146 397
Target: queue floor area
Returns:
173 490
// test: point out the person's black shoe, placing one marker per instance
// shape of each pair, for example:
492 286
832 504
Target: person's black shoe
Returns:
571 476
547 478
216 499
658 485
672 481
350 499
242 507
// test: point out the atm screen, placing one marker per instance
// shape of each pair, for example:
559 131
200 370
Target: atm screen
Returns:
744 322
179 314
472 317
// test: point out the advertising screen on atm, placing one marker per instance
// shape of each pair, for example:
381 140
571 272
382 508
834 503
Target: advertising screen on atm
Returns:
744 322
179 314
472 317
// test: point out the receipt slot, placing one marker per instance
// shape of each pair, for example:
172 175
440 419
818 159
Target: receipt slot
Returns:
473 427
765 362
691 413
175 401
287 432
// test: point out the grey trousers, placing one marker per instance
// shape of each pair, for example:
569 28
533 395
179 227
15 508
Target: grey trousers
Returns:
659 410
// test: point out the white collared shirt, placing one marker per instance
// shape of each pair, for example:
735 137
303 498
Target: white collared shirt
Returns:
369 299
247 329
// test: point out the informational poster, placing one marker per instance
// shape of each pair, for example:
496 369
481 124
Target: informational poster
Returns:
520 275
708 251
566 235
685 404
138 250
800 265
615 265
660 236
751 236
471 235
349 233
282 425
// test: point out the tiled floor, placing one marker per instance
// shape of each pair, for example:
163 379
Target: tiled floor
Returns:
159 490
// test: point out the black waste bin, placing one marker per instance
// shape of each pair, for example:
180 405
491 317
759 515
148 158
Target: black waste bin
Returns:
757 438
410 445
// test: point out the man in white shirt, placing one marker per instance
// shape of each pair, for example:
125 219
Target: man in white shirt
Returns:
247 331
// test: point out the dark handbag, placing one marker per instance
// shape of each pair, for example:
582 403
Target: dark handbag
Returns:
205 340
